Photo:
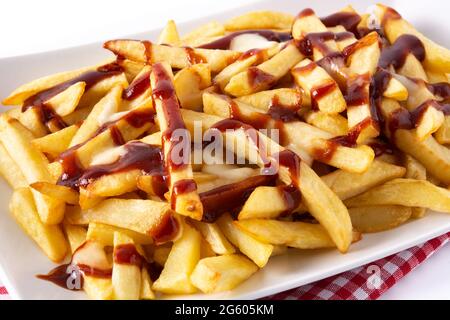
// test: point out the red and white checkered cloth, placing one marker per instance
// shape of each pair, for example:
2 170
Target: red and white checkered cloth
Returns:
355 284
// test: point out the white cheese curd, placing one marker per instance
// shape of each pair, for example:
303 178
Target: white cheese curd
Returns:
108 156
249 41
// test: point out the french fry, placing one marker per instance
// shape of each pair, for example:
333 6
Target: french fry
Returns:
208 30
55 143
260 20
99 115
169 35
242 64
293 234
10 171
48 237
263 99
18 96
114 184
98 288
332 123
189 85
404 192
126 278
415 170
66 194
222 273
257 251
143 216
184 256
167 107
17 141
215 237
326 207
348 184
262 76
256 207
436 58
435 157
177 57
104 234
66 101
311 78
76 235
378 218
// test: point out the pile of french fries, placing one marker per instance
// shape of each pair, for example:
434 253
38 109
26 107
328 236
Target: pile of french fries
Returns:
139 244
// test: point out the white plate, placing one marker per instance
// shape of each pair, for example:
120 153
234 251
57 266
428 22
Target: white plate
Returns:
21 260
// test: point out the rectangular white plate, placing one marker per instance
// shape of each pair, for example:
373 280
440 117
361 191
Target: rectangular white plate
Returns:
21 259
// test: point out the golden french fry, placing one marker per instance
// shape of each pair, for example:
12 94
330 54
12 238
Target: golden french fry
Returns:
48 237
326 207
404 192
216 274
184 256
267 73
189 85
65 102
349 184
206 31
177 57
17 141
415 170
260 20
98 288
314 79
76 235
215 237
378 218
257 251
332 123
293 234
126 276
10 170
169 35
18 96
187 203
142 216
436 57
100 114
55 143
66 194
104 234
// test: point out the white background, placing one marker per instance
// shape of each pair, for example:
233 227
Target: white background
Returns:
36 26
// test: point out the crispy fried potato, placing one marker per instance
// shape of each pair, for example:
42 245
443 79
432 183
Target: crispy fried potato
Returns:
260 20
332 123
17 141
10 170
55 143
169 35
326 207
184 256
273 69
257 251
146 286
104 234
76 235
378 218
49 238
126 278
404 192
216 274
189 85
348 184
293 234
215 237
66 194
415 170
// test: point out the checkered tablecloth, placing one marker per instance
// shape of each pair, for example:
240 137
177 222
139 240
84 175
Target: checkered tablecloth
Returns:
363 283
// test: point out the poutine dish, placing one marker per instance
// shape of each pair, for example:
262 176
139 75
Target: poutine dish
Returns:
182 165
